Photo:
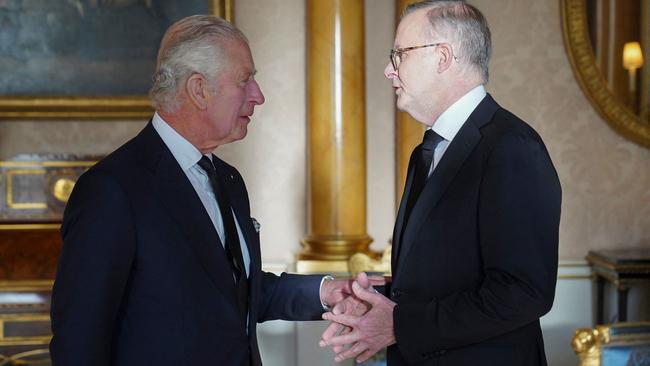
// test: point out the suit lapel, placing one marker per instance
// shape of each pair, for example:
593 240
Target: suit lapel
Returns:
399 222
460 148
177 194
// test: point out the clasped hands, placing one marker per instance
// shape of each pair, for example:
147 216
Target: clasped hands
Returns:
361 321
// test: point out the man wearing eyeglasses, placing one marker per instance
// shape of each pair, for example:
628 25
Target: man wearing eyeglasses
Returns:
476 238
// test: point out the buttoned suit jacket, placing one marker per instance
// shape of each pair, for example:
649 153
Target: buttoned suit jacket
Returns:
143 278
475 265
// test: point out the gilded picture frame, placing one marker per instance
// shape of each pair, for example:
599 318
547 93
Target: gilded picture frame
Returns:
591 81
47 83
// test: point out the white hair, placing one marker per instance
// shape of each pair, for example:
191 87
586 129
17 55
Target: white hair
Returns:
464 26
191 45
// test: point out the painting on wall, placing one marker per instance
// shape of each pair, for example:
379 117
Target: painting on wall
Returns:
84 58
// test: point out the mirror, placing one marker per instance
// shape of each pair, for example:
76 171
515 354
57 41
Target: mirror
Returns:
608 43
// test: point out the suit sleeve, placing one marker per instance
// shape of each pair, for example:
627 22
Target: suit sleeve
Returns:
518 223
290 297
93 270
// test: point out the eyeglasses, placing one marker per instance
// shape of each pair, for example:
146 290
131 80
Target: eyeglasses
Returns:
396 54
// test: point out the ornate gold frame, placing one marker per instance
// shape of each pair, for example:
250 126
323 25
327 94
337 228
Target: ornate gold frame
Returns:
588 343
581 56
78 107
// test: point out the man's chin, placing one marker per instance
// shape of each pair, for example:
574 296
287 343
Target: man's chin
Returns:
401 105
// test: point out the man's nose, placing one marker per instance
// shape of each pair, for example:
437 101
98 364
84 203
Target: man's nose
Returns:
256 95
389 71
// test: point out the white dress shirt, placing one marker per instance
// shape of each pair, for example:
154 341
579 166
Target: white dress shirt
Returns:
451 120
188 157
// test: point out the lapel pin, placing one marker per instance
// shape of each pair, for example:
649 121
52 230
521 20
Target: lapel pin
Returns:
256 225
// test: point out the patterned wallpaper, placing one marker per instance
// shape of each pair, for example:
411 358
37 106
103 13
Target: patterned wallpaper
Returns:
605 178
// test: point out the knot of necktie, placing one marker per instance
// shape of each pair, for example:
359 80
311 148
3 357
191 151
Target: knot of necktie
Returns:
430 140
206 164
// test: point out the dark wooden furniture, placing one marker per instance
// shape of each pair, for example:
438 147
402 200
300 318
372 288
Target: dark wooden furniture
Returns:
33 192
623 268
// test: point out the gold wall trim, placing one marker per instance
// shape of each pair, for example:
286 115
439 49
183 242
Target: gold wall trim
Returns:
47 164
22 318
127 107
30 226
26 342
10 190
575 277
26 285
573 264
591 80
20 358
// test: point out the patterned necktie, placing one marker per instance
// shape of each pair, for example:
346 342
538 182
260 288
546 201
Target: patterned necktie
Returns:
231 245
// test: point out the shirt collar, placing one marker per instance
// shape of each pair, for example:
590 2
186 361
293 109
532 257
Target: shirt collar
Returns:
183 151
451 120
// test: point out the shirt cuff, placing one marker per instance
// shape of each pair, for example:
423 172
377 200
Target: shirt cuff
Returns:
322 281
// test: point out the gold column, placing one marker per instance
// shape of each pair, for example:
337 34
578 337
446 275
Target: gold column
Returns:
223 8
336 137
408 131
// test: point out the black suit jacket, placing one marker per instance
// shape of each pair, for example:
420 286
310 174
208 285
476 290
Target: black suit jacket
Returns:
143 279
476 263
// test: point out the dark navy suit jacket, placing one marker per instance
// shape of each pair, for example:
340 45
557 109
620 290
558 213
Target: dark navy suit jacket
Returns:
476 265
143 279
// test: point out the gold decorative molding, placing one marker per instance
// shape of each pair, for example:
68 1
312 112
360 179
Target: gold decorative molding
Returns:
26 285
62 189
6 319
23 107
361 262
588 343
35 189
591 80
10 175
30 227
27 358
585 344
47 164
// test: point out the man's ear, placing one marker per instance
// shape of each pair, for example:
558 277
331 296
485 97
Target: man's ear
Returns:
446 57
196 87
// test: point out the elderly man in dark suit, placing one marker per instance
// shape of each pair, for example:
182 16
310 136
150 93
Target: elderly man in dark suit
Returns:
161 259
476 238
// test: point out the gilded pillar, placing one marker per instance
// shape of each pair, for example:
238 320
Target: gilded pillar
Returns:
408 131
223 8
336 136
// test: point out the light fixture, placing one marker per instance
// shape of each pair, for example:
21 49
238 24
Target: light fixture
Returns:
632 60
632 56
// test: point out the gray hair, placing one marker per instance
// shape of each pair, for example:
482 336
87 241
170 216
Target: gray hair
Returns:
191 45
464 26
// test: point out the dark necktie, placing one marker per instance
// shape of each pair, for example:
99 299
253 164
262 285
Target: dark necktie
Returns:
232 245
422 166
